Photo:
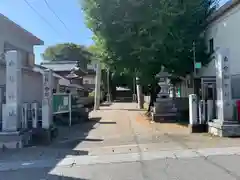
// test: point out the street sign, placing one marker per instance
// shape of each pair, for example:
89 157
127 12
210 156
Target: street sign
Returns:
61 103
198 65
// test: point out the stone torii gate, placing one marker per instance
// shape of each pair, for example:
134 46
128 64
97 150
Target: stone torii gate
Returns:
12 123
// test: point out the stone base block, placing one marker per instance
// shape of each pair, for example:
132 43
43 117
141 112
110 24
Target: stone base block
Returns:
198 128
44 136
226 129
13 140
164 117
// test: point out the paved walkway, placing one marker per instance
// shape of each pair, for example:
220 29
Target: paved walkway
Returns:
115 129
128 148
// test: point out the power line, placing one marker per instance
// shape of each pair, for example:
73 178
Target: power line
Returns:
55 14
44 19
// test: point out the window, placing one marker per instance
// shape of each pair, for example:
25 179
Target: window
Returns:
211 45
86 81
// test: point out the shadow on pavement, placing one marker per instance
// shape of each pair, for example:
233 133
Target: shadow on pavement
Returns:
141 110
179 123
134 109
106 104
93 121
70 137
107 123
64 146
74 136
43 174
65 178
124 100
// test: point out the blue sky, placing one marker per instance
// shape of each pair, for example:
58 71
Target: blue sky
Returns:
69 12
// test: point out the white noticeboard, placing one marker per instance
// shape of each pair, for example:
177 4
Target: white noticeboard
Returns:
65 101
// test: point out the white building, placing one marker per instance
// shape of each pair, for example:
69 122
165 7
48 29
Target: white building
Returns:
222 33
64 68
89 78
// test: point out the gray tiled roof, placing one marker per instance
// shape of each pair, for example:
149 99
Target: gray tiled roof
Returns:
60 67
66 66
39 68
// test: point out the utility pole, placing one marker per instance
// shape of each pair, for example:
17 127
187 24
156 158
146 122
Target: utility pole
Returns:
194 57
134 89
194 63
108 86
97 87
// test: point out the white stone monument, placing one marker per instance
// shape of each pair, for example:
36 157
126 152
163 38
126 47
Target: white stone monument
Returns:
47 99
224 125
11 111
193 120
223 85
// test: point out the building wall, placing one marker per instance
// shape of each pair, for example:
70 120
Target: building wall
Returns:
89 79
225 34
184 89
91 66
77 81
63 73
32 84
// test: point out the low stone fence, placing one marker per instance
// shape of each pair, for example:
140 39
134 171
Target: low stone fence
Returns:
181 104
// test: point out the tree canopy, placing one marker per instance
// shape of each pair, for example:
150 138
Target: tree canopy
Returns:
68 52
141 36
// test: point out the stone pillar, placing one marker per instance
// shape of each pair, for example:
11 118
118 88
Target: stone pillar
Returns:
193 120
97 87
139 94
47 99
11 119
224 125
223 85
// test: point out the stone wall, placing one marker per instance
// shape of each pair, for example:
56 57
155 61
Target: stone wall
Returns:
180 103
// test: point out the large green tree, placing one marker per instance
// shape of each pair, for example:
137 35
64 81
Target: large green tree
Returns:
68 52
144 35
